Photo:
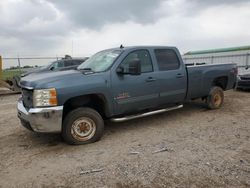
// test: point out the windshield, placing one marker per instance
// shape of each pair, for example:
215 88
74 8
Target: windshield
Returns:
101 61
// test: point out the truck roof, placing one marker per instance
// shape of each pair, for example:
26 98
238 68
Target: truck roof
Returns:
135 47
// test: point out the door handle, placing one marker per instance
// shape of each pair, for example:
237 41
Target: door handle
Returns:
179 75
150 79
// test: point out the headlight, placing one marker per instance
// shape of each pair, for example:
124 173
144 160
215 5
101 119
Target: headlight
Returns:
44 97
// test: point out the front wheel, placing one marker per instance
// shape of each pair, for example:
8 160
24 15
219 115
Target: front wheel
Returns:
82 126
215 98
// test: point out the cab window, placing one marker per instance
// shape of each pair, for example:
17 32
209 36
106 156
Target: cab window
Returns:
167 59
143 56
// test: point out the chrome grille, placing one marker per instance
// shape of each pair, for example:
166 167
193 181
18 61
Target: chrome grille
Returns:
244 78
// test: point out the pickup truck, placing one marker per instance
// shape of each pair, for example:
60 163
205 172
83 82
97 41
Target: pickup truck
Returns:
118 84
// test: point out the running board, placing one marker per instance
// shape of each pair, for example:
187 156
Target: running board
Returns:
145 114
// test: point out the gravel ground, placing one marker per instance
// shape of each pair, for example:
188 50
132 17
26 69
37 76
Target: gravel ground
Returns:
190 147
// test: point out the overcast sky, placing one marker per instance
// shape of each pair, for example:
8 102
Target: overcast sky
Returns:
48 27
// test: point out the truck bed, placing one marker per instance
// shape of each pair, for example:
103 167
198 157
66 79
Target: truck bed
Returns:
201 78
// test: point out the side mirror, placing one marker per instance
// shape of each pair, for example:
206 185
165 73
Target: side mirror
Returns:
120 70
52 68
134 68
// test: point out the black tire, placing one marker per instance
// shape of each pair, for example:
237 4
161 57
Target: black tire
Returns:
76 120
215 98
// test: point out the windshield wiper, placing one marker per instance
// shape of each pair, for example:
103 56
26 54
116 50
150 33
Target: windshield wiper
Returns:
86 70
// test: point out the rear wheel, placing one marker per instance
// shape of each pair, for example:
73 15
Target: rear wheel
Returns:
215 98
82 126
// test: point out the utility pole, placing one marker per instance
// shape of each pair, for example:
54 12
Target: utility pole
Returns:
19 63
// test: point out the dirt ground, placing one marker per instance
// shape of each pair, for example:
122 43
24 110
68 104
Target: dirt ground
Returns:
190 147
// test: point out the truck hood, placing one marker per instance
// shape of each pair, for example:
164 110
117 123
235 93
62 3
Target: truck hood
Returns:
49 79
35 70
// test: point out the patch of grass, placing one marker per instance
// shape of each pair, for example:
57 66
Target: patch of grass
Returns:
7 74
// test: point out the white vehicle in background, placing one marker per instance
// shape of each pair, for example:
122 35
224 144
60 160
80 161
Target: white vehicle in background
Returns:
243 79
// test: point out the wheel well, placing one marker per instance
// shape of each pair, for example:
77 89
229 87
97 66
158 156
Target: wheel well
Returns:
221 82
95 101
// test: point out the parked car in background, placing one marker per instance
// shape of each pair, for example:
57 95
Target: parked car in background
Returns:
59 65
243 79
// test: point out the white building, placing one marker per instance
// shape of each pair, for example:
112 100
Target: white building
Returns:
238 55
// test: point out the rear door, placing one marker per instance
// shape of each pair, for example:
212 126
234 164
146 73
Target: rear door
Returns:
133 93
172 78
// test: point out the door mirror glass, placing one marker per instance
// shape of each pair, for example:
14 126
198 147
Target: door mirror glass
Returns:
120 70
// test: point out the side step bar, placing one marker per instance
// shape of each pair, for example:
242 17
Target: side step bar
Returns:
145 114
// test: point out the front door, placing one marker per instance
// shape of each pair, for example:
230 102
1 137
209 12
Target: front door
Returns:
133 93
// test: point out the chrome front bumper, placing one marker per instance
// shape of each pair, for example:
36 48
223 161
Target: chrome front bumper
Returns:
46 120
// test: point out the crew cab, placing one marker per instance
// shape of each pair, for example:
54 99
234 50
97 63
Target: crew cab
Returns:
118 84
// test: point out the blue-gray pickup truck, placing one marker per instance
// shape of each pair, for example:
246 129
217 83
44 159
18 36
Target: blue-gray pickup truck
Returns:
118 84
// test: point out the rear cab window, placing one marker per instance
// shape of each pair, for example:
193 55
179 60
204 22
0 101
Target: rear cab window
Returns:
167 59
77 62
67 63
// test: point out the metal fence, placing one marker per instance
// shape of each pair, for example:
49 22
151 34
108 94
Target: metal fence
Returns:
9 62
12 66
242 60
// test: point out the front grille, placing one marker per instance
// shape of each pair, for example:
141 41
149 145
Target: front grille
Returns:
245 78
27 96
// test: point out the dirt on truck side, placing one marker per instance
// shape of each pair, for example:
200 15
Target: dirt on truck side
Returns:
190 147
